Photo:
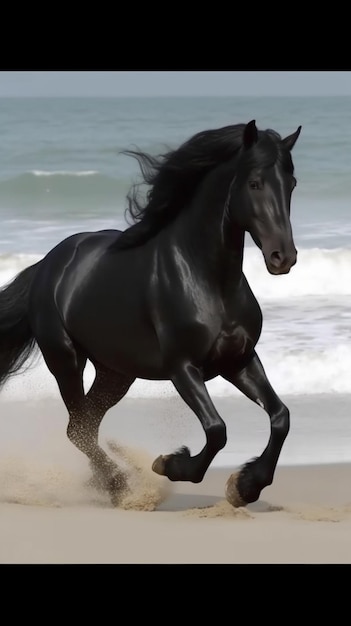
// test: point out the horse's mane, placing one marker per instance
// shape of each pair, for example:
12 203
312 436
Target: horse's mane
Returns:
174 176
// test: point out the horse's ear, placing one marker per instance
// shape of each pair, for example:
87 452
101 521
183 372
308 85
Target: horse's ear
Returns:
250 134
290 141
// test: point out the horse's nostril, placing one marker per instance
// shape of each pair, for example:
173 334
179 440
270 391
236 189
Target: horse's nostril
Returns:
276 258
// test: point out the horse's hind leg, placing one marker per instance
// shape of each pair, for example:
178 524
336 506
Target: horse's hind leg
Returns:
66 363
107 389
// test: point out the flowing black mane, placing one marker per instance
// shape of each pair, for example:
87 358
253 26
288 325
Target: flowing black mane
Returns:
174 176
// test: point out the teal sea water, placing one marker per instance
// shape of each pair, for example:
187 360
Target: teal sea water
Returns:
61 172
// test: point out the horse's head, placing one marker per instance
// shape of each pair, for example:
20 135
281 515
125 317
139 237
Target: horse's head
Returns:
261 194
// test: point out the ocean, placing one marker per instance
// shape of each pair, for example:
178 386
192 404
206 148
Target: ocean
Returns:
62 172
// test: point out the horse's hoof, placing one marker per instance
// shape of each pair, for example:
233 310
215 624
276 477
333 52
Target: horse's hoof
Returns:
159 465
231 492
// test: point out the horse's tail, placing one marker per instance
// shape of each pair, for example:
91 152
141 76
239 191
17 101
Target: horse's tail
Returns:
17 341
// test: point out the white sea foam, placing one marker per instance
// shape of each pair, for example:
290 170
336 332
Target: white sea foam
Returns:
317 272
12 264
64 173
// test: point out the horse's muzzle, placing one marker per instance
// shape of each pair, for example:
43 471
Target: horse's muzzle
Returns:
279 263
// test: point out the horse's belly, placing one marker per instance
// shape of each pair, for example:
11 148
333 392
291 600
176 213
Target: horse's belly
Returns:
119 337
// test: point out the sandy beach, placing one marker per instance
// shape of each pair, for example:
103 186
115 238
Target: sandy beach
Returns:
304 518
50 513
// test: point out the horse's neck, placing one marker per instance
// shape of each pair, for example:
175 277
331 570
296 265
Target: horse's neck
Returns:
213 246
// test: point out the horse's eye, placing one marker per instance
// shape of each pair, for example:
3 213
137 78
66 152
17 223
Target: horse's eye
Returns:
254 184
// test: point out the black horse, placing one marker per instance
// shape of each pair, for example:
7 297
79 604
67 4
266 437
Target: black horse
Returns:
166 299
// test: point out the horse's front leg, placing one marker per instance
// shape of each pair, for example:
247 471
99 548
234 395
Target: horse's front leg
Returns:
181 466
246 485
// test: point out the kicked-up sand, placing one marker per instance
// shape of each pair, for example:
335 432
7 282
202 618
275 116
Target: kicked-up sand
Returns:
52 512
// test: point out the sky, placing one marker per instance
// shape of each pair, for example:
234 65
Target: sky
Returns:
173 83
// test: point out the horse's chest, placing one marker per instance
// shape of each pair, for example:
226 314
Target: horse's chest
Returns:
237 339
240 329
